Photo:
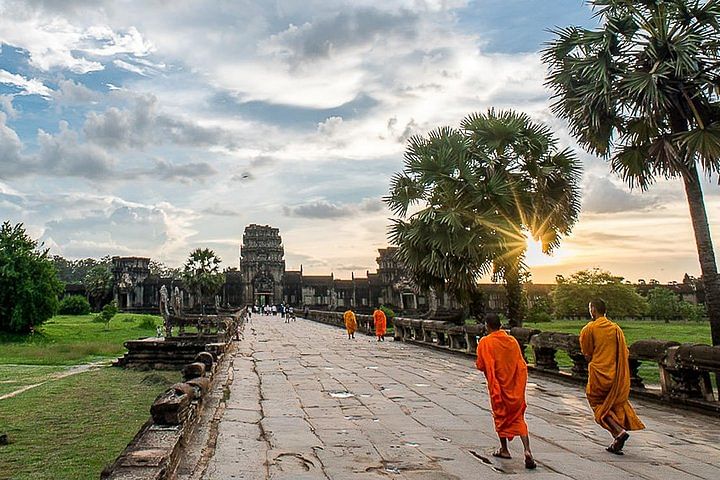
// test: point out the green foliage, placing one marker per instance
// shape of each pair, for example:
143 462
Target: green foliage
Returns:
29 287
107 313
389 313
98 283
691 312
75 271
201 273
572 295
74 305
163 271
541 311
475 193
663 304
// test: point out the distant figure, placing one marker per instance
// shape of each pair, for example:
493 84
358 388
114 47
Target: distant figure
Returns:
249 310
306 312
291 313
608 387
350 323
380 324
274 310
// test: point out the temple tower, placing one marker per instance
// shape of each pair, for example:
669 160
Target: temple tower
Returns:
262 265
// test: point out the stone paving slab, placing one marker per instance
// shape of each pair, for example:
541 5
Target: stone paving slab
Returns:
307 403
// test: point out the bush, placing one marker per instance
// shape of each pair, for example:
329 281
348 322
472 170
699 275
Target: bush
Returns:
389 314
74 305
691 312
535 316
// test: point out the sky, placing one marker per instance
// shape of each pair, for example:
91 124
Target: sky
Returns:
152 128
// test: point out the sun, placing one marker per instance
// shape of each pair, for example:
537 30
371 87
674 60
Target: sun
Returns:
534 256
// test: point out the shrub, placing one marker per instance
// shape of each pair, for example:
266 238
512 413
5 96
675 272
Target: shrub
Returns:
536 316
691 312
107 314
388 312
74 305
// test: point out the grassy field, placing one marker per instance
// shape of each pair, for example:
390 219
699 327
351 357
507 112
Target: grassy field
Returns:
683 332
73 339
71 428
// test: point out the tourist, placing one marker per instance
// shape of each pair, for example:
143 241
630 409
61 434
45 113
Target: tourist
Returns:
274 310
291 313
350 323
380 324
608 387
500 359
306 312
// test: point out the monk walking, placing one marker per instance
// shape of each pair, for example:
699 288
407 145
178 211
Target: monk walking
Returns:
350 323
380 324
500 359
608 387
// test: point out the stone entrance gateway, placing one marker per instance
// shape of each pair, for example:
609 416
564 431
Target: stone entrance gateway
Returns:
262 265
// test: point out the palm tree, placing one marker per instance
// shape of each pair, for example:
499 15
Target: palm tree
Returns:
642 91
201 274
479 192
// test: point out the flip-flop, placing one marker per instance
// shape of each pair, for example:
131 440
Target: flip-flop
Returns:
530 463
618 444
497 454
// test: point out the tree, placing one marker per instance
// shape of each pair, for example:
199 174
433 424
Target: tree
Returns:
201 274
75 271
663 304
572 295
29 287
163 271
74 305
98 284
642 91
481 191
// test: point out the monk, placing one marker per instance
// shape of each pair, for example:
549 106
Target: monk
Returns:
380 324
608 387
500 359
350 323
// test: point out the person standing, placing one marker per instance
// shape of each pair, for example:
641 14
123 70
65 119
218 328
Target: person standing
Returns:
350 323
380 324
500 359
608 386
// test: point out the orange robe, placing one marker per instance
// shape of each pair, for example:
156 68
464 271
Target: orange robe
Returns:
380 323
499 357
350 322
608 386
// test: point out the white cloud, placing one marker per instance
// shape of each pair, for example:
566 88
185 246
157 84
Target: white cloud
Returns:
28 86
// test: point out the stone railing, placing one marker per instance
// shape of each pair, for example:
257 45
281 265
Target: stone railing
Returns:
684 370
155 451
220 328
365 322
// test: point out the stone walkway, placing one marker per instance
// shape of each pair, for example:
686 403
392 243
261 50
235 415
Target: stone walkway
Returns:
306 402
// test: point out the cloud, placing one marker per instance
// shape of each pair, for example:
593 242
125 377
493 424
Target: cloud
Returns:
27 86
343 31
10 146
129 67
63 154
322 209
71 93
601 195
144 124
6 105
185 173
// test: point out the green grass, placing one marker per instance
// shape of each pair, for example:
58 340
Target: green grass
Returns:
73 339
14 377
71 428
683 332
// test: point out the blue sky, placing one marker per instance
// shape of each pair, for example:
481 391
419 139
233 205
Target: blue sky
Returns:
136 128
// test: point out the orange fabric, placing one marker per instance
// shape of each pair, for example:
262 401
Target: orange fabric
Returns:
499 357
380 323
350 322
608 386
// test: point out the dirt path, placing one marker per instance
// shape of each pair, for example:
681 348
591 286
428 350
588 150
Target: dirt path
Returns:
86 367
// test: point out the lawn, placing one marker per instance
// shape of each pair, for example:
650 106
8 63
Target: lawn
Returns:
683 332
74 339
72 427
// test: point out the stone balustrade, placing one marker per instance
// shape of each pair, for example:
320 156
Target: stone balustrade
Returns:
220 328
155 451
684 370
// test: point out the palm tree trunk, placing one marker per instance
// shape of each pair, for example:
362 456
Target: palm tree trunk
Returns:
706 254
514 293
